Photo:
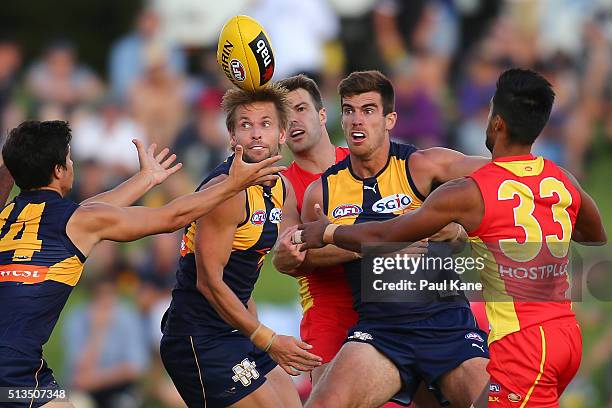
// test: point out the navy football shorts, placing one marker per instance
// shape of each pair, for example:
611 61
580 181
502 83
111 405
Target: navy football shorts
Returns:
214 372
19 370
424 350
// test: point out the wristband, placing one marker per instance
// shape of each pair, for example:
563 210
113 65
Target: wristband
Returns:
270 343
262 337
328 234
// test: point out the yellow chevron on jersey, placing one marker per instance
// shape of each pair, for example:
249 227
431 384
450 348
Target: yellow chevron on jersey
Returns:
388 194
252 228
34 246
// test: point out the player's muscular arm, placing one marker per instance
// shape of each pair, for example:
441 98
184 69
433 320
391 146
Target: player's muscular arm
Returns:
324 257
94 222
155 168
589 228
431 167
456 201
6 184
330 255
286 256
214 236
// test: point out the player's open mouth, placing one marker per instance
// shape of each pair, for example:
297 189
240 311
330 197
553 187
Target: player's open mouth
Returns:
297 132
358 136
257 147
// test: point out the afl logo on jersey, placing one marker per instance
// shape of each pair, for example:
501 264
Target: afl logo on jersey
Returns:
391 204
276 215
346 210
258 217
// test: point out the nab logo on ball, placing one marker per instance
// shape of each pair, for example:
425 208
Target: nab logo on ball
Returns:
237 70
263 55
276 215
346 210
245 53
258 217
391 204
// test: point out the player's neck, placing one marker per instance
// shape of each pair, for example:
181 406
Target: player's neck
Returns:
364 167
509 150
318 158
52 187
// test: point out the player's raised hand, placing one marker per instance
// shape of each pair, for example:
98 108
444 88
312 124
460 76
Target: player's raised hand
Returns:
310 235
156 166
292 355
244 175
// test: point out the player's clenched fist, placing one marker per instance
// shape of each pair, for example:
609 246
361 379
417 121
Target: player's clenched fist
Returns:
287 255
290 353
314 234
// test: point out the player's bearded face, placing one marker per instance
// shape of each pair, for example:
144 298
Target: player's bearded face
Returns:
366 127
305 122
258 131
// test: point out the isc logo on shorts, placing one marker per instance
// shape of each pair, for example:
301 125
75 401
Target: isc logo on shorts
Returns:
361 336
258 217
276 215
474 336
346 210
391 204
244 372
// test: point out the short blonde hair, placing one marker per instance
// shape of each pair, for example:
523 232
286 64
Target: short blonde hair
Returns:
273 92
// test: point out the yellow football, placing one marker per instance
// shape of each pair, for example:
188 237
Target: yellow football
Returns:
245 54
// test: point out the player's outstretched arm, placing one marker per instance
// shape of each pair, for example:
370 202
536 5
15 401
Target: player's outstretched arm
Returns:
289 260
155 168
94 222
589 228
456 201
6 184
437 165
215 233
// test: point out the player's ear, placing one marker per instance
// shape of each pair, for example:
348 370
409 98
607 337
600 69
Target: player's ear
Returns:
390 120
282 136
498 123
58 171
323 116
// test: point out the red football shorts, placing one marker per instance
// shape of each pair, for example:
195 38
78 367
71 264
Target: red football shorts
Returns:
326 327
532 367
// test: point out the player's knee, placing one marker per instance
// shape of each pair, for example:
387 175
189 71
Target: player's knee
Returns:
325 400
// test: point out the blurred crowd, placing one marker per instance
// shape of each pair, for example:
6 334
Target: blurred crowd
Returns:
443 57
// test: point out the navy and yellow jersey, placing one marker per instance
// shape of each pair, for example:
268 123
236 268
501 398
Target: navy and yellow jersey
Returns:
348 199
39 266
190 313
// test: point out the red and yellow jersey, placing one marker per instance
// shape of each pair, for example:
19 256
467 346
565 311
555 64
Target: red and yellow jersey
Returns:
530 208
39 266
325 285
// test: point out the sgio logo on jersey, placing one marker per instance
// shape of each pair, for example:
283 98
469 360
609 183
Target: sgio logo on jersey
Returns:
391 204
